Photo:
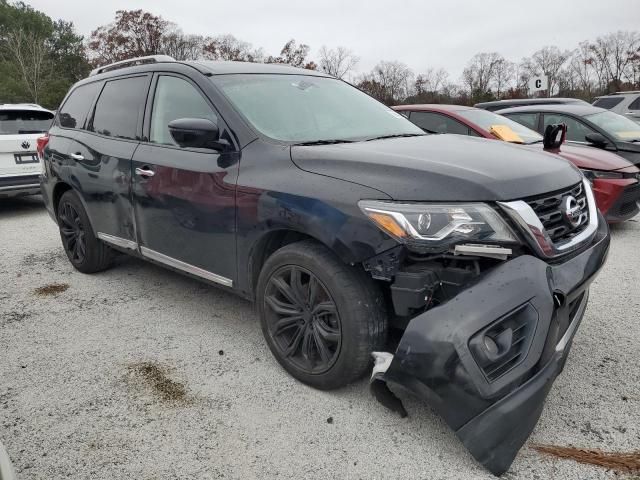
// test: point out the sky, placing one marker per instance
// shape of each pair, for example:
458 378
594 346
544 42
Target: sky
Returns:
423 34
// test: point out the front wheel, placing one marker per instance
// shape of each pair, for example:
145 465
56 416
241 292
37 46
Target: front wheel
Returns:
85 252
320 317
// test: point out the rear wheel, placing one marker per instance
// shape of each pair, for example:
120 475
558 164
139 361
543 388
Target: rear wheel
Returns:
85 252
320 317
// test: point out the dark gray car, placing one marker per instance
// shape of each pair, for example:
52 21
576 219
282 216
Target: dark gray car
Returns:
587 125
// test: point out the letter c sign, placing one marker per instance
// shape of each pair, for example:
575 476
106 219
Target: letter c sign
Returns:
538 83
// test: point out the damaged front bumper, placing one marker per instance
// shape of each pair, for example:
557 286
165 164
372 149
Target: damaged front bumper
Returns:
486 359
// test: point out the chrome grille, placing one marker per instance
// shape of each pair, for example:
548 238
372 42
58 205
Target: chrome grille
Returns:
551 210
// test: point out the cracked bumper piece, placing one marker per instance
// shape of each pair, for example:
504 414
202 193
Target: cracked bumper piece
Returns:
486 359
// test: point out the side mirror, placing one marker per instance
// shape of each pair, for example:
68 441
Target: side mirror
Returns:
554 136
197 133
597 139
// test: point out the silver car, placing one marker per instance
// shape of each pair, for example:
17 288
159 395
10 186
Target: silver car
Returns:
624 103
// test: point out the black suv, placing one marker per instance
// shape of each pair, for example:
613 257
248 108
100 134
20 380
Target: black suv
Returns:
462 269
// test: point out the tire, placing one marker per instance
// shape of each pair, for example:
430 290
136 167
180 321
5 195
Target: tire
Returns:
354 327
85 252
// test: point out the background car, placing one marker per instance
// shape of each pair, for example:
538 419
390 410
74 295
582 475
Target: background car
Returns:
518 102
615 181
587 125
20 127
624 103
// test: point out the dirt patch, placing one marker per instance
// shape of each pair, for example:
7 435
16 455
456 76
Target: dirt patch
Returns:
619 462
13 317
156 378
51 289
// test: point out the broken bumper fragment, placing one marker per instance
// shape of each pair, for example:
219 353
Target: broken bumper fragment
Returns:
486 359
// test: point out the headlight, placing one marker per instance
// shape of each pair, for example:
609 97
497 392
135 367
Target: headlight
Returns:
437 226
591 175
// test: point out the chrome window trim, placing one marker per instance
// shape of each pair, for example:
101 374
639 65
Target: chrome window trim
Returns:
185 267
118 241
536 235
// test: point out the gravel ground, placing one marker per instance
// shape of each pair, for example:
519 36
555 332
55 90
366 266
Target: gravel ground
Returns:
141 373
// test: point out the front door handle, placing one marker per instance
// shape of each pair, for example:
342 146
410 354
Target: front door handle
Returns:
76 156
145 172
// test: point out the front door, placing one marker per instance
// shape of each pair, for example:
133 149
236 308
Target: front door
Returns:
184 198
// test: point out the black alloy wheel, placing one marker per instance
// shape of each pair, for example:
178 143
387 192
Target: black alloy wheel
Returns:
302 319
86 253
72 232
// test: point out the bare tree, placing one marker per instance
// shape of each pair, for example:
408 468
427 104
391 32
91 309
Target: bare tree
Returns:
389 82
430 81
616 54
29 52
182 47
503 76
581 73
547 61
294 55
337 61
228 47
480 73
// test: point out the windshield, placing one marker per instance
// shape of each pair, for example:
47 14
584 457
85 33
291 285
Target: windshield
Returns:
499 125
620 127
307 109
15 122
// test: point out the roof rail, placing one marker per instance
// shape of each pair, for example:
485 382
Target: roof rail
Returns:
628 91
132 61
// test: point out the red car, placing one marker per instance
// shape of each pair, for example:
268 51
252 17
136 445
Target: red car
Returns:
616 181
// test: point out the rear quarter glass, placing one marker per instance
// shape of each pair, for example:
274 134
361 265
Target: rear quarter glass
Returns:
75 109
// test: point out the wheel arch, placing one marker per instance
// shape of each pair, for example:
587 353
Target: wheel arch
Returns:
264 247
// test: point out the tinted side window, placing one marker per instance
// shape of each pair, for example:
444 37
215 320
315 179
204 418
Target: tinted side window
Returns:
74 111
119 107
635 105
434 122
607 102
576 130
175 98
529 120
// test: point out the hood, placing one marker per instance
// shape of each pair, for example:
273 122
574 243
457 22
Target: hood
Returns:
444 168
594 158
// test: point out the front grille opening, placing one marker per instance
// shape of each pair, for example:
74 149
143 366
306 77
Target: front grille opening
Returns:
549 209
503 345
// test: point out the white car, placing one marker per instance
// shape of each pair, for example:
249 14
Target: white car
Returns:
20 127
624 103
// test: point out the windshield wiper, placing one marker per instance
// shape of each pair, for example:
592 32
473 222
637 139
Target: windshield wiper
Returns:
325 142
397 135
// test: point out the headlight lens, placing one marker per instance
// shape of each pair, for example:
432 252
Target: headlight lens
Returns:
591 175
438 225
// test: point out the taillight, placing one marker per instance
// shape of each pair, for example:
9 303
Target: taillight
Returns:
41 143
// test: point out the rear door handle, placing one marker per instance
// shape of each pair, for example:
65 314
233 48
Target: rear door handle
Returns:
145 172
77 156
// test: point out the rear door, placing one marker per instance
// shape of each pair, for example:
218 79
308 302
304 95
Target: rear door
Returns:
184 198
19 130
528 119
100 157
634 110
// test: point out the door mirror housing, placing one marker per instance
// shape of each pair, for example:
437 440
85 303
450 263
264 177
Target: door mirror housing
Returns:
597 139
554 136
197 133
